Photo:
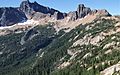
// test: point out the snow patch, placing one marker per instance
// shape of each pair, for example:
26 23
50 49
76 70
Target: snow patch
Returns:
7 27
28 22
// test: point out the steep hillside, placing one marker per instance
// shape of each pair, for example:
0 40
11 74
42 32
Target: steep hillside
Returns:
88 49
19 49
38 40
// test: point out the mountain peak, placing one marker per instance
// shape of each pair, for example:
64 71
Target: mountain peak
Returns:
31 9
36 11
25 2
82 10
81 5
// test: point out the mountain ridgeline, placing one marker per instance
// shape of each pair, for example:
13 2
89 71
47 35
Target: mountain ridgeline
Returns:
38 40
28 10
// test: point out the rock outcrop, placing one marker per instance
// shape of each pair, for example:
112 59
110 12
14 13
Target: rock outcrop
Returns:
33 9
73 15
10 16
83 11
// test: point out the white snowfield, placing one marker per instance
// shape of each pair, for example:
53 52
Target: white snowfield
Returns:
28 22
7 27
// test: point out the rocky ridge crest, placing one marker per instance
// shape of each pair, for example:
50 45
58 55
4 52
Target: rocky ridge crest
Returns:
28 10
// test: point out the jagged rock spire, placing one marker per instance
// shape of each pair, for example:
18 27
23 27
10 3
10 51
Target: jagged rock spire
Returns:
26 0
82 10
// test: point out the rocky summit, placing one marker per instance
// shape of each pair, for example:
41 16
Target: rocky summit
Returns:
28 10
39 40
82 11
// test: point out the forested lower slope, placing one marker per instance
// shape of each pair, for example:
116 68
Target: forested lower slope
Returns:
86 50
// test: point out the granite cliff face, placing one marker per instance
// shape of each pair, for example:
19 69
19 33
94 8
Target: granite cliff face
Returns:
28 10
82 11
34 9
9 16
